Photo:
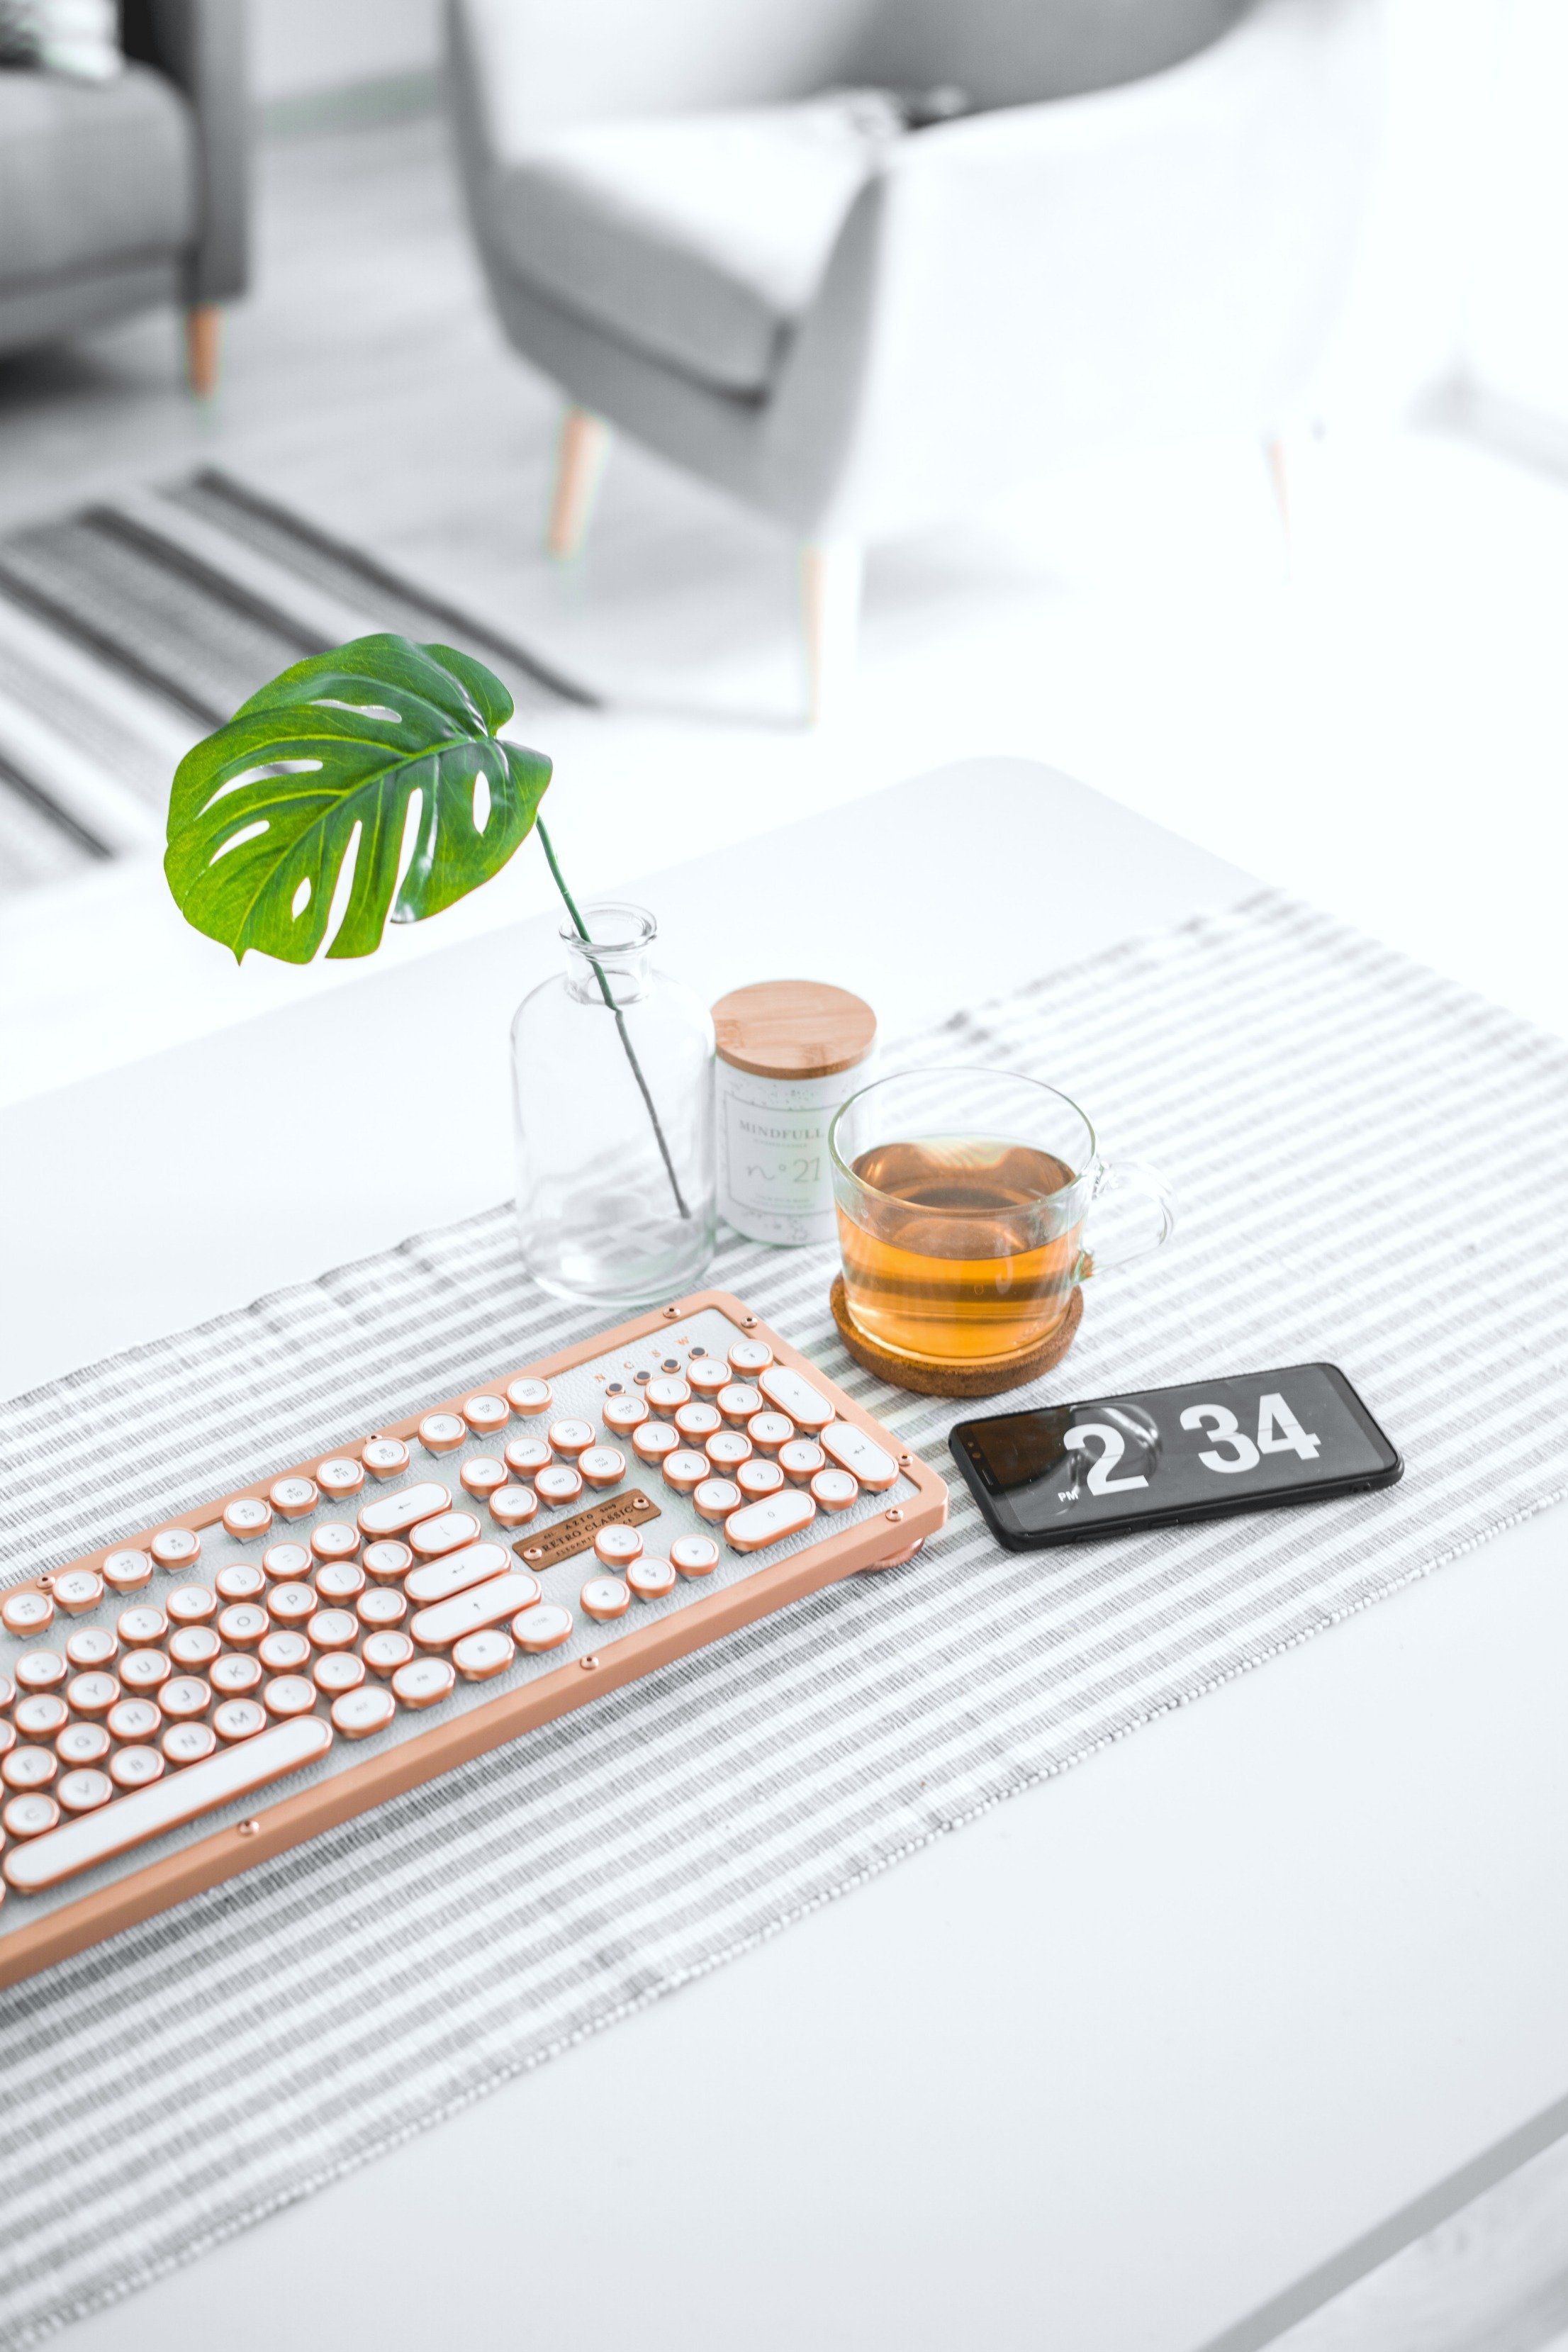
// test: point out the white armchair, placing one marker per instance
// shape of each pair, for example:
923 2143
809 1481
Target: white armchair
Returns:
860 330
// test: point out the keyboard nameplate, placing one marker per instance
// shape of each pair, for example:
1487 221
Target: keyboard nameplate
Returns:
544 1548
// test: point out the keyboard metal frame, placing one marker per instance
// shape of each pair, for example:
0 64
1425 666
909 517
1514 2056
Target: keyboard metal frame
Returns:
886 1539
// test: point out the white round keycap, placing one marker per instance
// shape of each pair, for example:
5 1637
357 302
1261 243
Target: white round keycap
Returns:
769 1430
717 1498
293 1498
190 1743
235 1675
686 1469
654 1439
29 1817
84 1791
134 1718
558 1485
624 1413
543 1628
650 1578
332 1629
667 1391
41 1715
360 1712
740 1401
604 1597
835 1489
424 1681
77 1588
285 1652
485 1413
287 1562
342 1580
440 1433
386 1561
176 1547
82 1743
380 1607
514 1507
570 1437
288 1694
695 1554
482 1474
335 1539
384 1653
527 1455
41 1670
126 1571
190 1605
340 1477
138 1627
800 1460
479 1656
749 1357
759 1477
291 1605
617 1546
530 1396
728 1448
26 1613
709 1374
698 1420
135 1768
338 1672
90 1693
185 1698
28 1768
194 1646
239 1581
603 1465
385 1457
90 1645
450 1531
239 1718
246 1516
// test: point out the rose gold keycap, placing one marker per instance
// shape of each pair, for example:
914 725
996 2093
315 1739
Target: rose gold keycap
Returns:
759 1477
340 1477
603 1465
699 1421
386 1561
193 1647
485 1414
93 1693
800 1460
342 1582
135 1768
393 1514
41 1670
530 1396
624 1413
424 1681
291 1605
866 1461
83 1791
335 1539
442 1433
483 1473
26 1613
560 1484
694 1555
142 1672
667 1391
604 1597
527 1456
77 1590
235 1674
285 1652
245 1624
150 1813
750 1357
835 1489
385 1457
618 1547
176 1547
332 1629
238 1581
337 1672
381 1607
727 1449
82 1743
29 1817
185 1698
137 1628
739 1402
771 1521
191 1604
126 1571
189 1743
288 1694
358 1713
246 1516
541 1629
650 1578
788 1393
654 1439
686 1469
717 1498
293 1498
43 1713
89 1646
570 1437
135 1719
286 1563
28 1768
448 1531
709 1374
384 1653
514 1507
478 1657
438 1579
466 1613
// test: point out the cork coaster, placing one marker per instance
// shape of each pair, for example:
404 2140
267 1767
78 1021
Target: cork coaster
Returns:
971 1381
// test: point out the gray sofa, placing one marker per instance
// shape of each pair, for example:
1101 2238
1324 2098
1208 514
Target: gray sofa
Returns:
120 194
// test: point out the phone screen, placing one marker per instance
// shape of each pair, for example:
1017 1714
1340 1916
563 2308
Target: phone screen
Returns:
1061 1474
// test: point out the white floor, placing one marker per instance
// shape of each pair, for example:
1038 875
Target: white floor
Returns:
1372 718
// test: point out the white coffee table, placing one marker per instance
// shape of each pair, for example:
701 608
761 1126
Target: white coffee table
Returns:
1155 2057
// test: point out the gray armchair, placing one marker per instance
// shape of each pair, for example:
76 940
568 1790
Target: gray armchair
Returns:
117 195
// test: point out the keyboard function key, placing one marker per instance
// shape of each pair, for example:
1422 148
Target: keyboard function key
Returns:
384 1652
654 1439
475 1564
41 1670
622 1415
716 1498
293 1498
570 1438
190 1605
77 1590
93 1693
236 1675
90 1646
865 1460
185 1744
82 1743
750 1357
482 1474
800 1460
650 1578
558 1484
335 1539
337 1672
287 1652
835 1489
135 1719
27 1768
795 1395
514 1507
340 1477
384 1458
387 1562
185 1698
482 1604
342 1582
541 1629
604 1597
26 1613
245 1624
135 1768
238 1581
485 1414
527 1456
603 1465
82 1792
176 1547
286 1563
694 1555
246 1516
42 1714
616 1546
29 1816
425 1681
126 1571
287 1695
529 1397
193 1647
758 1478
479 1658
771 1521
448 1531
393 1514
358 1713
442 1433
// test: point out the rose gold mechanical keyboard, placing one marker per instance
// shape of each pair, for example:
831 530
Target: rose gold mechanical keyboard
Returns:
189 1700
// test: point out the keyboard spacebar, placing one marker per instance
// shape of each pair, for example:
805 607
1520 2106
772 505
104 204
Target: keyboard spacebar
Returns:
167 1804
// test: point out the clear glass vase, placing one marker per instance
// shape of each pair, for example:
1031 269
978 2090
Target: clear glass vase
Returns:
612 1101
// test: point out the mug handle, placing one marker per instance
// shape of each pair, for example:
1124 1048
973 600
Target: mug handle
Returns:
1129 1176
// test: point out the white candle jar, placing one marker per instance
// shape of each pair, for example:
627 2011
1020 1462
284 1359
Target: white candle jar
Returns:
790 1051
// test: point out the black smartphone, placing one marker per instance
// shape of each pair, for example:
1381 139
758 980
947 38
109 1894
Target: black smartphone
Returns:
1158 1458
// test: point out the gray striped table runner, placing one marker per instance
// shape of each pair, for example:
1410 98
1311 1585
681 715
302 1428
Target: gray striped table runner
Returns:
1375 1168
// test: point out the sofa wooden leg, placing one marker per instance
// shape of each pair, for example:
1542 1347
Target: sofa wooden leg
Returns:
204 340
831 576
580 456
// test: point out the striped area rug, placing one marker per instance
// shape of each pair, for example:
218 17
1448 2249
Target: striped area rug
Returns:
1374 1168
132 628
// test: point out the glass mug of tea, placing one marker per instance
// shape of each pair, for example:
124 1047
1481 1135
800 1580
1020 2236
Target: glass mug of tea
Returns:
971 1205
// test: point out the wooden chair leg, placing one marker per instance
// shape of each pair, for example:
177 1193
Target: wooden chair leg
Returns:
832 573
580 456
204 341
1276 457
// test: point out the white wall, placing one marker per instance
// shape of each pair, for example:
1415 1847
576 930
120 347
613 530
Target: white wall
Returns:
302 47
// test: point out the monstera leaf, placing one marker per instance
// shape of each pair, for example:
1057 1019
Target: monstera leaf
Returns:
324 765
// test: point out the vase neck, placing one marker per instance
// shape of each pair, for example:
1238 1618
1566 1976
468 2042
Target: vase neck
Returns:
615 955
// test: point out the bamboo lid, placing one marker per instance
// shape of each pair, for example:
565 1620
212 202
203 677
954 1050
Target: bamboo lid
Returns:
792 1029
